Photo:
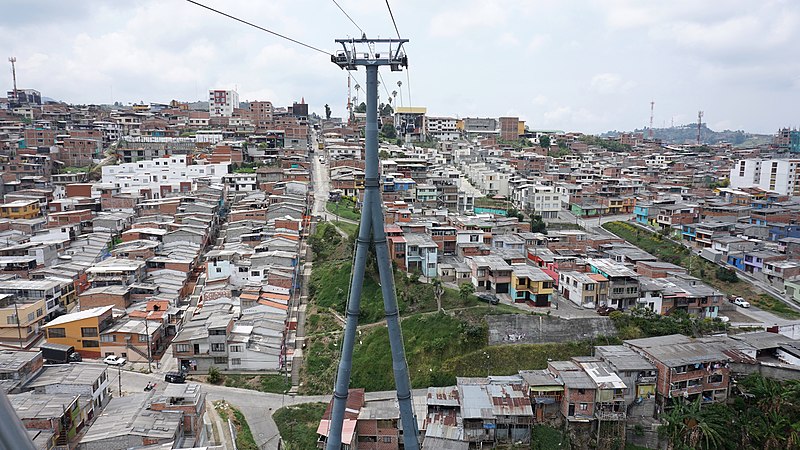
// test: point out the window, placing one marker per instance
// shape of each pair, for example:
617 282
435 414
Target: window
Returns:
473 238
182 348
716 378
680 369
13 319
31 317
255 273
217 347
142 338
89 332
589 287
236 361
220 360
56 333
235 348
219 269
387 439
581 391
108 338
584 406
39 312
91 343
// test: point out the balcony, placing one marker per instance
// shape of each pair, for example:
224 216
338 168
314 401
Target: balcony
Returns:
609 415
646 380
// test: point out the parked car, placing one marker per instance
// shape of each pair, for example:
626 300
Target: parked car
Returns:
114 361
605 310
489 298
175 377
739 301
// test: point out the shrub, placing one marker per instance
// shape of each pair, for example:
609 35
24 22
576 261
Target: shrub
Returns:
214 377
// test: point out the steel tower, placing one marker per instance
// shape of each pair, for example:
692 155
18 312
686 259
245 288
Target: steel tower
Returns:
371 231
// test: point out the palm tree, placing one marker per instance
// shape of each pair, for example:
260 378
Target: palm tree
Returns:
690 426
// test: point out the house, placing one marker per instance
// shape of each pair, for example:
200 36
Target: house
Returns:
203 340
545 392
80 330
20 320
127 422
589 290
421 254
116 271
189 399
354 403
490 274
578 401
623 290
688 368
118 296
90 381
57 413
17 368
530 284
130 338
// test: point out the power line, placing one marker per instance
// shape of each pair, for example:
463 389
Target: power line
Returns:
348 16
388 95
258 27
393 22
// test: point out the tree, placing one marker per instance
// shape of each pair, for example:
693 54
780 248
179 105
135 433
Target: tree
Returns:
383 154
727 275
544 141
465 290
214 377
327 111
690 426
388 131
362 108
386 110
438 291
538 225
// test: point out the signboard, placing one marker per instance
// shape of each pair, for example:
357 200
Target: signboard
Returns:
489 426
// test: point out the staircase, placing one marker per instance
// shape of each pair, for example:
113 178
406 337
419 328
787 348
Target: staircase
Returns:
136 350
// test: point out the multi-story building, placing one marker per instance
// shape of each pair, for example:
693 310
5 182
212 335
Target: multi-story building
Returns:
588 290
530 284
490 274
159 177
81 330
90 381
203 340
687 368
442 128
58 296
20 320
775 175
421 254
20 209
537 200
638 374
623 290
221 103
130 339
189 399
510 128
59 414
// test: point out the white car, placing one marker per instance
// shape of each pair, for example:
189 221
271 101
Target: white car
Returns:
114 361
739 301
723 319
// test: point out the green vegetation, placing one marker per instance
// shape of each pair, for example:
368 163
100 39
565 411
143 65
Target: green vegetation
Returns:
544 141
767 416
297 424
214 377
349 228
76 169
538 225
517 143
671 252
645 323
246 168
559 151
327 112
544 437
325 241
387 132
244 437
776 306
275 383
606 143
344 208
489 202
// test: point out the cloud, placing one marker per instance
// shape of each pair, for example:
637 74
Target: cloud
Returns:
478 15
609 83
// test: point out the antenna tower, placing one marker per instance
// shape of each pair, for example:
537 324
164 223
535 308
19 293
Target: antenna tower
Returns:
13 61
699 125
371 232
349 104
652 106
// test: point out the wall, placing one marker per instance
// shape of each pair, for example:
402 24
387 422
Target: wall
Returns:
519 329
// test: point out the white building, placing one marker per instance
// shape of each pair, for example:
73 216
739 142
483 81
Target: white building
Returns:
221 103
537 199
160 176
776 175
442 128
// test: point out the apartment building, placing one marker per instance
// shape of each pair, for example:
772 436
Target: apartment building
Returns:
90 381
160 177
442 128
537 200
221 103
80 330
623 290
17 368
774 175
531 285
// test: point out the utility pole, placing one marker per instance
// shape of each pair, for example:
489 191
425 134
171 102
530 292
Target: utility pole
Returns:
371 231
652 107
147 330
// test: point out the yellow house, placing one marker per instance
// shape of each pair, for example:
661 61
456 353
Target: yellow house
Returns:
20 320
20 209
80 330
530 284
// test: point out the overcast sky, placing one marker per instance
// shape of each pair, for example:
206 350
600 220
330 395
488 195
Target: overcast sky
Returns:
588 66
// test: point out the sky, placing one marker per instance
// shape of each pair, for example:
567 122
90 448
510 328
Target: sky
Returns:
588 65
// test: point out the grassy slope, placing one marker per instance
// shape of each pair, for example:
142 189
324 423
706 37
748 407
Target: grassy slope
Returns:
297 424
